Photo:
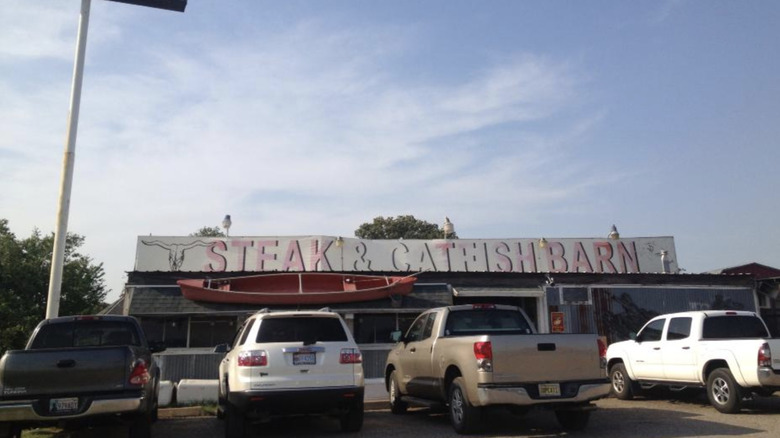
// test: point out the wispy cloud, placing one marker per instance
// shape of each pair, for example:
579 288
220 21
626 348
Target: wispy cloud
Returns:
312 113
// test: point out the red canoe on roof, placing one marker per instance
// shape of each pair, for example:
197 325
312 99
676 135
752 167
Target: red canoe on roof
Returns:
296 288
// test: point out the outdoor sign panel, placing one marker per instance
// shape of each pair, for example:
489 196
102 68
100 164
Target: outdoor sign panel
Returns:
328 253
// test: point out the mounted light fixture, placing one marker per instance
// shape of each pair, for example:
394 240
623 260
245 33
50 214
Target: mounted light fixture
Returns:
613 234
448 227
226 223
542 243
339 242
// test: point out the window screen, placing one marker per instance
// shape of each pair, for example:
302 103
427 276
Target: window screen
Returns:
301 329
733 327
652 332
92 333
679 328
486 321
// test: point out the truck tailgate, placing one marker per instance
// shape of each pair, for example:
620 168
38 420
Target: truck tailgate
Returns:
65 371
774 347
534 358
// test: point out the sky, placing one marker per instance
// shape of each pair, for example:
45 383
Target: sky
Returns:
515 119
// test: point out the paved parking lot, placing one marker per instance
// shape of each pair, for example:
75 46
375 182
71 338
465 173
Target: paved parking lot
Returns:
663 416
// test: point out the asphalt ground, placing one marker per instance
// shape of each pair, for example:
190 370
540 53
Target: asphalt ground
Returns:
673 415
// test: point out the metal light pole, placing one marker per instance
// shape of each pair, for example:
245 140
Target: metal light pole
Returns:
61 231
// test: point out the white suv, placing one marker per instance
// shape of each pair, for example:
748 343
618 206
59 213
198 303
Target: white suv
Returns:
290 363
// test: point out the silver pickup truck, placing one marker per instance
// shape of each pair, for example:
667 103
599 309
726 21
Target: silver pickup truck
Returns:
470 357
80 369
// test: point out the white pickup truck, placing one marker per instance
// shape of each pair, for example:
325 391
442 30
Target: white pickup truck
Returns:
728 352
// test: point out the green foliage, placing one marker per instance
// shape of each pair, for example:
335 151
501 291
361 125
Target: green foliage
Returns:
24 283
406 227
208 232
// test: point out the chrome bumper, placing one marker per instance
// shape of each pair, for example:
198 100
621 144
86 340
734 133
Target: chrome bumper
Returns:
769 377
23 410
516 395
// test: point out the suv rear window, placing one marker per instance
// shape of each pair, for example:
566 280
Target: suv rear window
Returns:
85 334
733 327
308 329
479 321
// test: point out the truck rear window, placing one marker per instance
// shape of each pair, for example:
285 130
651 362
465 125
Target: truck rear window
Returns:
486 321
733 327
85 334
301 329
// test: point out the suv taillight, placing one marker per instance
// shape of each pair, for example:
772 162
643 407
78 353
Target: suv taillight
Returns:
602 353
350 355
253 358
140 373
764 356
483 352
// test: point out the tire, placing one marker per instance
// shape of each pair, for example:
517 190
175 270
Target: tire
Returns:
235 423
397 406
155 414
140 427
221 402
352 420
9 430
464 417
622 385
572 420
724 393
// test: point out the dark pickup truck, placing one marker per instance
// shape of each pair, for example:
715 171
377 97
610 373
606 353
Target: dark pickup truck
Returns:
80 370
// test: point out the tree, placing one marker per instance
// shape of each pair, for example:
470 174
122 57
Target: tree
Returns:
208 232
24 283
400 227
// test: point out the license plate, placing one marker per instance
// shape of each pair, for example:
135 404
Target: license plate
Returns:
304 358
549 390
63 405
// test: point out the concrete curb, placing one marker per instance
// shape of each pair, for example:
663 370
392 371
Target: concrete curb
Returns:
187 411
197 411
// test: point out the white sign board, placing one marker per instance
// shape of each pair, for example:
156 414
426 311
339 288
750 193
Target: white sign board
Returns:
328 253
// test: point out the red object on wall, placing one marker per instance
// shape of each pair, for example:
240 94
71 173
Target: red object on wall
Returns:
556 322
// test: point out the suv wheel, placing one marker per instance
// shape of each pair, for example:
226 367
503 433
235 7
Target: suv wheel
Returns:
622 385
464 417
397 406
352 420
723 391
235 423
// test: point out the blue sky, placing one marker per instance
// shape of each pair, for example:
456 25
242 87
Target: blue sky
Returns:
513 118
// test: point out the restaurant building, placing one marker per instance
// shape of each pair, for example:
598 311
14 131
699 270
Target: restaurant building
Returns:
606 286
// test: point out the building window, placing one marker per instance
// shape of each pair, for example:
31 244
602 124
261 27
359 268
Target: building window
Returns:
575 295
175 332
376 328
172 331
210 331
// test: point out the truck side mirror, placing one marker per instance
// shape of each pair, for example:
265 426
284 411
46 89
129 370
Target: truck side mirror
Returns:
397 336
222 348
